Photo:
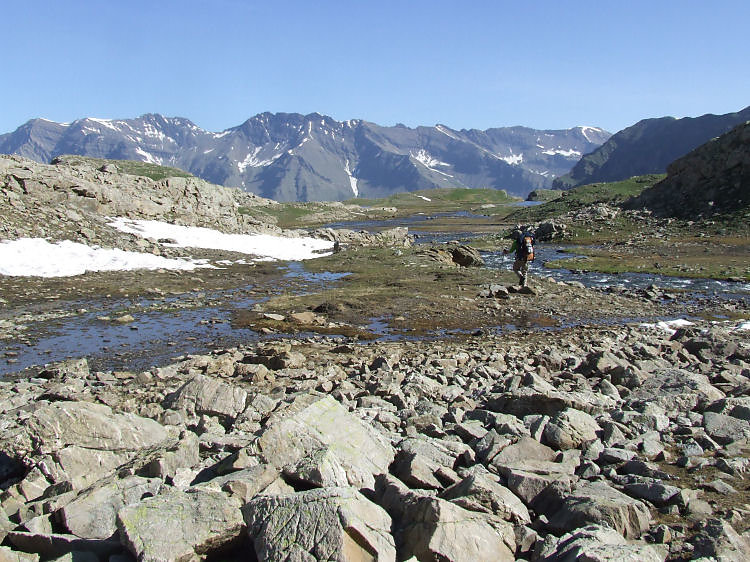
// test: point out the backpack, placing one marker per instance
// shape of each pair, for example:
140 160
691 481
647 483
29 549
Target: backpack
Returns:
526 246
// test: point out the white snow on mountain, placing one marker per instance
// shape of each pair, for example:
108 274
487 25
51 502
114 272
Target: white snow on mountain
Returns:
585 130
104 122
447 132
253 161
566 153
425 158
148 157
513 159
352 179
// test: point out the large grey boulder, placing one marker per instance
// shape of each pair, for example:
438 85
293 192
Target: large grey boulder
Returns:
180 525
429 528
726 429
93 514
315 422
481 491
321 524
55 545
676 389
207 395
9 555
85 441
570 428
717 538
598 503
595 543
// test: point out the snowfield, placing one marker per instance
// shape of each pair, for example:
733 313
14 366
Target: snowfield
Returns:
36 257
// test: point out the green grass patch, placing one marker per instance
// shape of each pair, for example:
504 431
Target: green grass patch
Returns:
440 200
130 167
611 193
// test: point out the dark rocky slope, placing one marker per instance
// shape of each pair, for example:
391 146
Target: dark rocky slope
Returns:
648 147
713 179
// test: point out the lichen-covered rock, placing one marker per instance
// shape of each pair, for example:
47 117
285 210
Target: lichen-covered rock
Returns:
314 422
322 524
570 428
93 514
595 543
180 525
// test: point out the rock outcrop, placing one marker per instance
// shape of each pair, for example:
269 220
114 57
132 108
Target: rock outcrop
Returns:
712 179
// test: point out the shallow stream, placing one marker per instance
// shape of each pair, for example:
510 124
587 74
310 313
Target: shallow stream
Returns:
156 336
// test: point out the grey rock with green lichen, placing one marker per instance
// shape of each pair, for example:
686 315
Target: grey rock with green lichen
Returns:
180 525
323 524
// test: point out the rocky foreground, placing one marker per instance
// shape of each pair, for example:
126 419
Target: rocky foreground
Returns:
600 444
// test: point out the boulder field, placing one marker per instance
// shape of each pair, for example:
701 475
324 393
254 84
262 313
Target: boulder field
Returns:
603 443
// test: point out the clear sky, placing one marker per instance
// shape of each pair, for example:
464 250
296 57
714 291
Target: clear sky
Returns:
546 64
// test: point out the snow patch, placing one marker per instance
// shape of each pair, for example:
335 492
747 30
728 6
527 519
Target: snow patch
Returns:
148 157
352 179
104 123
669 326
566 153
447 132
423 197
425 158
264 246
513 159
253 161
585 130
36 257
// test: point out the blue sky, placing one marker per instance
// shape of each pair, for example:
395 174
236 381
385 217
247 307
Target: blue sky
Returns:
467 64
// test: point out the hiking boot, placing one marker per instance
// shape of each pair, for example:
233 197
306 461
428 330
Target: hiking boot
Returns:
523 281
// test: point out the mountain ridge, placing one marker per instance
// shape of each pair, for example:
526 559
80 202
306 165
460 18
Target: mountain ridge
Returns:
648 147
295 157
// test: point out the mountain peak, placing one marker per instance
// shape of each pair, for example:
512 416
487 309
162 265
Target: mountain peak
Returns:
290 156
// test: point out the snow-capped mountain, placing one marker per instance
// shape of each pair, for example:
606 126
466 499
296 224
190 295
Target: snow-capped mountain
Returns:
293 157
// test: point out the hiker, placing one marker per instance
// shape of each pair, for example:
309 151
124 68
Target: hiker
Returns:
523 246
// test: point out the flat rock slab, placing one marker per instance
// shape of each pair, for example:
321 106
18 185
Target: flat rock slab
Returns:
180 525
677 389
89 441
322 524
54 545
319 422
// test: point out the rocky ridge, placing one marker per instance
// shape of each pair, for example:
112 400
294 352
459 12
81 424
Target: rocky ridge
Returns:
712 179
648 147
604 443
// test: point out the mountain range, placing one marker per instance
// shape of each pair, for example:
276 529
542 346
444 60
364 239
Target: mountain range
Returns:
294 157
648 147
